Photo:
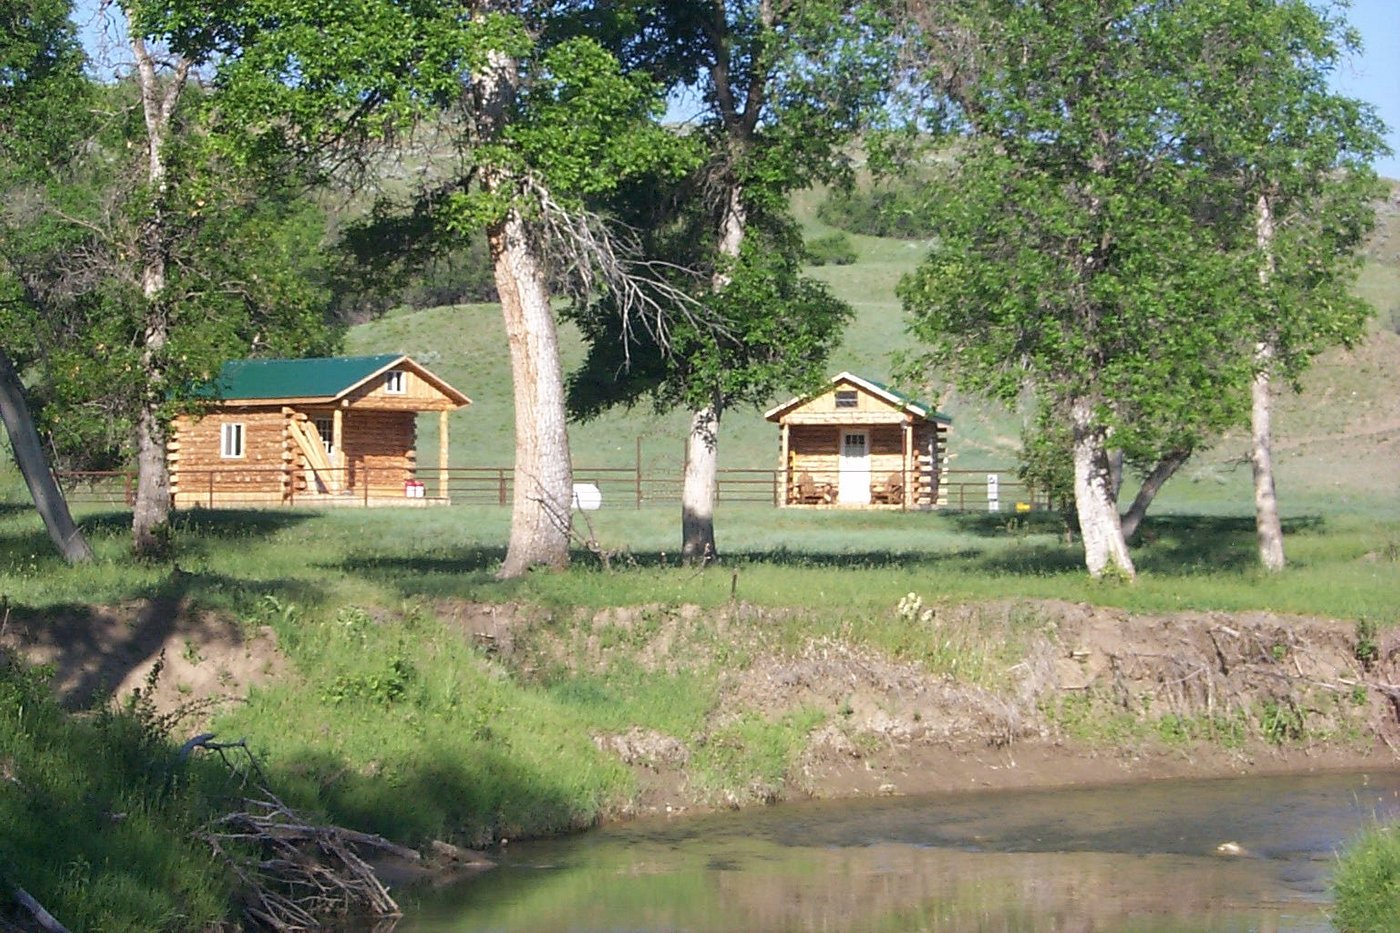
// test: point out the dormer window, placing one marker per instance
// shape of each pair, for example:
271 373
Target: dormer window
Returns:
845 398
394 382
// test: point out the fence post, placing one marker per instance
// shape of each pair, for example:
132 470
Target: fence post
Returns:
639 471
500 487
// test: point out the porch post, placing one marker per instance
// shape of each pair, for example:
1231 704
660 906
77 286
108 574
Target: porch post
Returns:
782 497
906 474
442 454
338 458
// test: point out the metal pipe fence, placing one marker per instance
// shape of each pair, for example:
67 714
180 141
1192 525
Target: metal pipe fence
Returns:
625 487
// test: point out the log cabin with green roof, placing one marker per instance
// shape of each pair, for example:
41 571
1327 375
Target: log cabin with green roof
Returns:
861 444
340 430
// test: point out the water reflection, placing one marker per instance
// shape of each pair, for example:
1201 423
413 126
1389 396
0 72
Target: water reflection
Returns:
1132 858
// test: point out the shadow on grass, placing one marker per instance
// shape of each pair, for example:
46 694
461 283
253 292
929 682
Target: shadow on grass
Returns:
1193 544
486 796
20 543
92 650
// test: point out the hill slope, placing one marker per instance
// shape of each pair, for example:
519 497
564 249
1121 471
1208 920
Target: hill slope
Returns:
1339 439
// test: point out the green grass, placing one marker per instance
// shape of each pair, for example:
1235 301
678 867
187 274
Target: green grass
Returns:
1366 884
1343 564
96 819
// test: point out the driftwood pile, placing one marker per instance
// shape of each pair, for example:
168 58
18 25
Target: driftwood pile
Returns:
294 874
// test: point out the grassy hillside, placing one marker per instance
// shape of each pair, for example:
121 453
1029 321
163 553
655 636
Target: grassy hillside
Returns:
1339 440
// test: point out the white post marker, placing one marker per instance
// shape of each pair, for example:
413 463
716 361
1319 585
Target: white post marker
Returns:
587 497
993 492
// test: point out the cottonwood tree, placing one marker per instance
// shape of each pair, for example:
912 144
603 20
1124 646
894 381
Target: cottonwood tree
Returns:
1292 192
526 127
40 83
148 261
1070 260
781 87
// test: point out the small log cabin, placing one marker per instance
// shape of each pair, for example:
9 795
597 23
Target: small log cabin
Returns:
341 430
861 444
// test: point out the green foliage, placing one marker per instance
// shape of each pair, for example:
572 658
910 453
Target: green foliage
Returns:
1098 246
834 249
96 822
897 208
1045 458
42 89
245 276
769 331
1281 721
1367 649
793 87
1366 884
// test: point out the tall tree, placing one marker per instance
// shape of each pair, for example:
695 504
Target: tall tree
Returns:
527 127
40 81
782 87
1070 261
1293 191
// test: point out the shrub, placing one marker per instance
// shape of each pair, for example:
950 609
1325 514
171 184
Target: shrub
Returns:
901 209
833 250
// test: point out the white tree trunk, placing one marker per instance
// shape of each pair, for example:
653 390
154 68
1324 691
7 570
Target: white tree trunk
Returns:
698 491
34 467
152 508
542 507
1104 547
1268 528
702 445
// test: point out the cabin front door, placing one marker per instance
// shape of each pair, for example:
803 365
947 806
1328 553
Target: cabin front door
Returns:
854 488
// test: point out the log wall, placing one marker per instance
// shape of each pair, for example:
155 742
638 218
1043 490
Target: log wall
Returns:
379 445
195 463
816 449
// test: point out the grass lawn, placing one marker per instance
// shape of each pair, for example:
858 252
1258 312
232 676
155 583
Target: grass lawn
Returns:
1343 561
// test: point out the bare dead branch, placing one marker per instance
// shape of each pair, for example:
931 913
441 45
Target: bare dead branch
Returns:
600 257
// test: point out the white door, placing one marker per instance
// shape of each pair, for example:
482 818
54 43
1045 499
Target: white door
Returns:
855 469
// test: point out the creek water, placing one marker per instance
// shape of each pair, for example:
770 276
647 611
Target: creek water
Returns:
1141 857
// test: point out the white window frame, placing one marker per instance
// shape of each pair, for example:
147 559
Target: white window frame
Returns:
232 435
328 435
395 382
847 398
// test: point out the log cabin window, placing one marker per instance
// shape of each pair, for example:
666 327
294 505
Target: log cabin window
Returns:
326 428
394 382
845 398
231 440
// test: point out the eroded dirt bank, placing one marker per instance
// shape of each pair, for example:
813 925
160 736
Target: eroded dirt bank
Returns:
1009 694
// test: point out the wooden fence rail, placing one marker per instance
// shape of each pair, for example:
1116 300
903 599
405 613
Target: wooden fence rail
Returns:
628 487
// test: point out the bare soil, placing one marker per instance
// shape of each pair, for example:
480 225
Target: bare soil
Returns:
188 662
1097 696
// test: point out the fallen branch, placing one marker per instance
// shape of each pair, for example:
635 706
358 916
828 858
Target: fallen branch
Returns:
41 916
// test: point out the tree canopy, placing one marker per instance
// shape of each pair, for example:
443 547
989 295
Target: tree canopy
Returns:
1093 250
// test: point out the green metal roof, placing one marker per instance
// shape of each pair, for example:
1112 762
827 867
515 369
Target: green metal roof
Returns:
908 401
316 378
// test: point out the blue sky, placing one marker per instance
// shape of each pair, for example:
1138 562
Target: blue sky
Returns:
1373 76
